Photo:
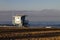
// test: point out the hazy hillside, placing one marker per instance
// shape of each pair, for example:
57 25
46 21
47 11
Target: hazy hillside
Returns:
43 15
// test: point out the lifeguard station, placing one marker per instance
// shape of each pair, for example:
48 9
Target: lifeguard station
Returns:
19 20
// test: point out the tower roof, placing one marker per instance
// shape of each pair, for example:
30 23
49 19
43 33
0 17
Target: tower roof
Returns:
19 15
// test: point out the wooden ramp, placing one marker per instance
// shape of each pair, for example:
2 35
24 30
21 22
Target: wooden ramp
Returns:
14 33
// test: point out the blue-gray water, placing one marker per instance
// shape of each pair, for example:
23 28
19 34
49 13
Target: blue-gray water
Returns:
37 24
40 24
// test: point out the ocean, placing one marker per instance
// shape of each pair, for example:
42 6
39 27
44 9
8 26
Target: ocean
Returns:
44 24
37 23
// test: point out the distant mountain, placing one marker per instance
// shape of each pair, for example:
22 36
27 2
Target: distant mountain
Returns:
43 15
50 12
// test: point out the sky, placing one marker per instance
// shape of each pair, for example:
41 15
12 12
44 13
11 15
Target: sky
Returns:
29 4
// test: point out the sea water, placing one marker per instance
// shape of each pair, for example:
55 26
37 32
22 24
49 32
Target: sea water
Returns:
37 24
43 24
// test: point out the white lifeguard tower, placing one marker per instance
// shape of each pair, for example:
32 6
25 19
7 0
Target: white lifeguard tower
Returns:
19 20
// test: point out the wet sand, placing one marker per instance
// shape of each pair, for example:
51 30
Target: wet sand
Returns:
26 33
